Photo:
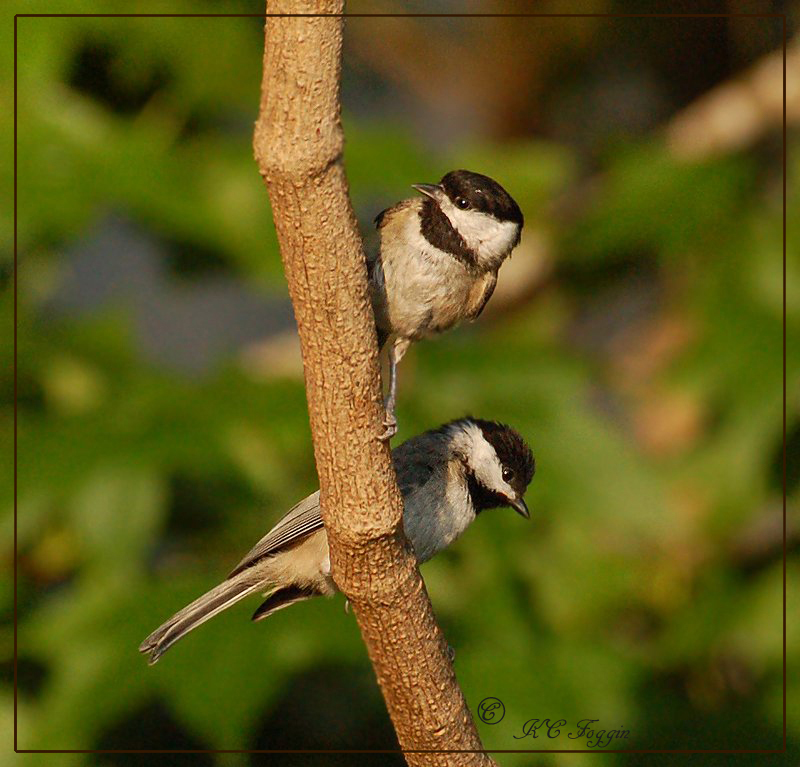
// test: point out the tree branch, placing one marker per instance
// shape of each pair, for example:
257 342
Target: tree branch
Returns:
736 113
298 146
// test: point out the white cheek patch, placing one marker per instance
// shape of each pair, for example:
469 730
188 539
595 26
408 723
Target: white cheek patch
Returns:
486 465
484 235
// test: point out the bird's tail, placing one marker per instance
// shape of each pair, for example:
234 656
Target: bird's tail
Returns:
220 598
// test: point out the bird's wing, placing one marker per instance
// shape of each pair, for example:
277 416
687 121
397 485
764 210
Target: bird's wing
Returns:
381 219
297 523
414 465
480 294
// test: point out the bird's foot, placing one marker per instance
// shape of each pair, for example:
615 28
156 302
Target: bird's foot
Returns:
390 422
451 652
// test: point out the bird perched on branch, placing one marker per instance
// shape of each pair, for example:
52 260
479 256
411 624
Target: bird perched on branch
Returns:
447 476
438 261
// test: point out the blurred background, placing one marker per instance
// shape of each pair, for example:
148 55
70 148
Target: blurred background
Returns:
635 340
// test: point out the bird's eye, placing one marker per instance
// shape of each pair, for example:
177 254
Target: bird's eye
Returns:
462 203
508 474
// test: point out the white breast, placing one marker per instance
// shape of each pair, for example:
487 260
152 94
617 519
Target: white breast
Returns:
426 289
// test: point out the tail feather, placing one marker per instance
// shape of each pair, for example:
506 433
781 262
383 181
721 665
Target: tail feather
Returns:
198 612
283 598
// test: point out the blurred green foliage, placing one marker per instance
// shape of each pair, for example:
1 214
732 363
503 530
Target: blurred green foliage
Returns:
646 593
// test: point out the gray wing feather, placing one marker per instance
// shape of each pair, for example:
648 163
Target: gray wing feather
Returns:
415 463
298 522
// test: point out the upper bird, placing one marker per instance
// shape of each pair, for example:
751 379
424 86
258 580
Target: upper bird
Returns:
438 261
447 476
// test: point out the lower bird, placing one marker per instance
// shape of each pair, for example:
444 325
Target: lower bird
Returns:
447 476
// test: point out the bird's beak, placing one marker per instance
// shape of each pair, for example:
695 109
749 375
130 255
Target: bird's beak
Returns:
520 507
430 190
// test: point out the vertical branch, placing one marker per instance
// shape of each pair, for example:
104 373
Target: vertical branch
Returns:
298 146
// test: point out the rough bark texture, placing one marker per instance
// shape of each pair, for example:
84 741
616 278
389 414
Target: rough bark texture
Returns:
298 145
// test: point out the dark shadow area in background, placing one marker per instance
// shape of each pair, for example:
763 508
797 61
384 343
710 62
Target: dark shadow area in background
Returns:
97 71
32 675
726 713
792 461
154 725
328 707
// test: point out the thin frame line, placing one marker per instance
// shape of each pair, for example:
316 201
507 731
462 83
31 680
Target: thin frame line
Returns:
15 384
784 385
409 15
395 15
398 751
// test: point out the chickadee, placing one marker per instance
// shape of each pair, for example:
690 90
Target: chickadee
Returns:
447 477
438 262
